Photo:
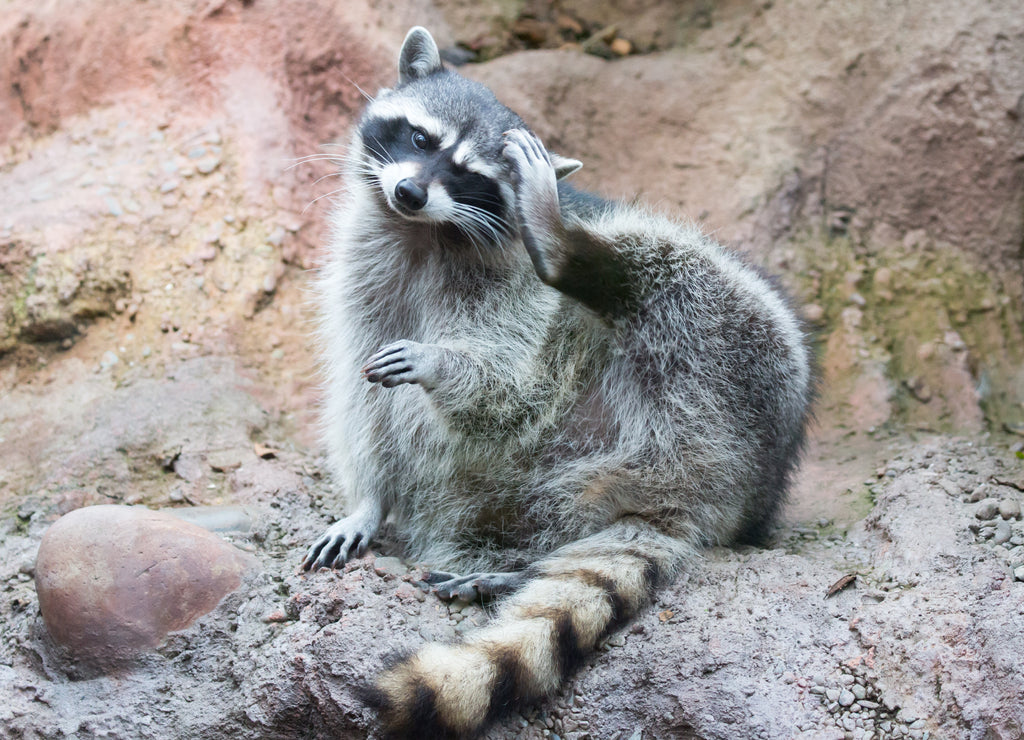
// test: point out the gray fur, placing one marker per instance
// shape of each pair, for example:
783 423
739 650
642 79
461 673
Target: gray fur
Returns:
581 389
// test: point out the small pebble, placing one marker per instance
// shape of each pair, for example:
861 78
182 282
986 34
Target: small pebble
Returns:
1002 533
986 510
814 313
208 165
109 360
1018 573
1009 509
276 237
846 698
622 47
113 206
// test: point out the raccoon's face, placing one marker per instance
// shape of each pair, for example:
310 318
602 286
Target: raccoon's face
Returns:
435 166
433 147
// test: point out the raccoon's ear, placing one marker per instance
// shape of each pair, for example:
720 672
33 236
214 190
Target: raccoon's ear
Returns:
563 165
419 56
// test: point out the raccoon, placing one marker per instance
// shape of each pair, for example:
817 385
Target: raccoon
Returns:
552 396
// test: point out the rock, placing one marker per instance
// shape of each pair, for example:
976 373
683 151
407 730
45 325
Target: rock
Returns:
813 313
1002 533
621 47
108 360
978 494
1009 509
846 698
530 30
113 580
208 165
986 510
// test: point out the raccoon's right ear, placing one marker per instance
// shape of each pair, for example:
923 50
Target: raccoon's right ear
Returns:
419 56
563 165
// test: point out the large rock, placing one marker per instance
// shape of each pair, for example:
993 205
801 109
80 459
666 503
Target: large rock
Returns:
116 579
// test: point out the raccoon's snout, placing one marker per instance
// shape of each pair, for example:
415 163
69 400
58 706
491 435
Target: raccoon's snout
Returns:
410 195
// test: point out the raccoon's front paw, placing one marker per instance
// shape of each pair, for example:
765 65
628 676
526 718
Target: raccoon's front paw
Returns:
345 539
475 586
405 362
537 212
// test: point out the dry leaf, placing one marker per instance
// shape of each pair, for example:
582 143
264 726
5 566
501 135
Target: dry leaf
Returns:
264 451
844 582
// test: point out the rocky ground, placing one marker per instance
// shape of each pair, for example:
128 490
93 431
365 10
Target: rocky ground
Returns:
157 230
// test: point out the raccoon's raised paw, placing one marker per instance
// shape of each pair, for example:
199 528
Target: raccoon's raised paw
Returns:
475 586
405 362
537 213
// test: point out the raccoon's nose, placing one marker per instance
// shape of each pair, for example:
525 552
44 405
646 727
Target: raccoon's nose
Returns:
410 195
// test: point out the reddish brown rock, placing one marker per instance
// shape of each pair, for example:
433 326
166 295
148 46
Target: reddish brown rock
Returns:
116 579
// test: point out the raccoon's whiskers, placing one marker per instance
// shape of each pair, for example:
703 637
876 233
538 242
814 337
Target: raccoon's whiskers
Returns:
311 203
369 98
485 223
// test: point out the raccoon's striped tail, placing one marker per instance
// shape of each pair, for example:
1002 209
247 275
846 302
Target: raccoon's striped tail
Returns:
539 636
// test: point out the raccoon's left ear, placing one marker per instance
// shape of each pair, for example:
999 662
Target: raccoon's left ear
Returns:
563 165
419 56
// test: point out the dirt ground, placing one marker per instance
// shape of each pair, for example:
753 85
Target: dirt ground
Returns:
158 229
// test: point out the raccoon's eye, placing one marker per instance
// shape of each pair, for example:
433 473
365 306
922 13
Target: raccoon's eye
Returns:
420 139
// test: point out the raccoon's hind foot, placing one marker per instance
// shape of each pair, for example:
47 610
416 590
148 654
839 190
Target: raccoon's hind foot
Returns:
474 587
405 361
537 213
344 540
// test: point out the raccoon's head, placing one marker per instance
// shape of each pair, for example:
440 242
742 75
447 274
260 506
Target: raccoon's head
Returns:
432 145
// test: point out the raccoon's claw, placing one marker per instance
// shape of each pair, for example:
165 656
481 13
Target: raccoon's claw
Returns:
476 586
344 540
530 148
403 362
529 160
